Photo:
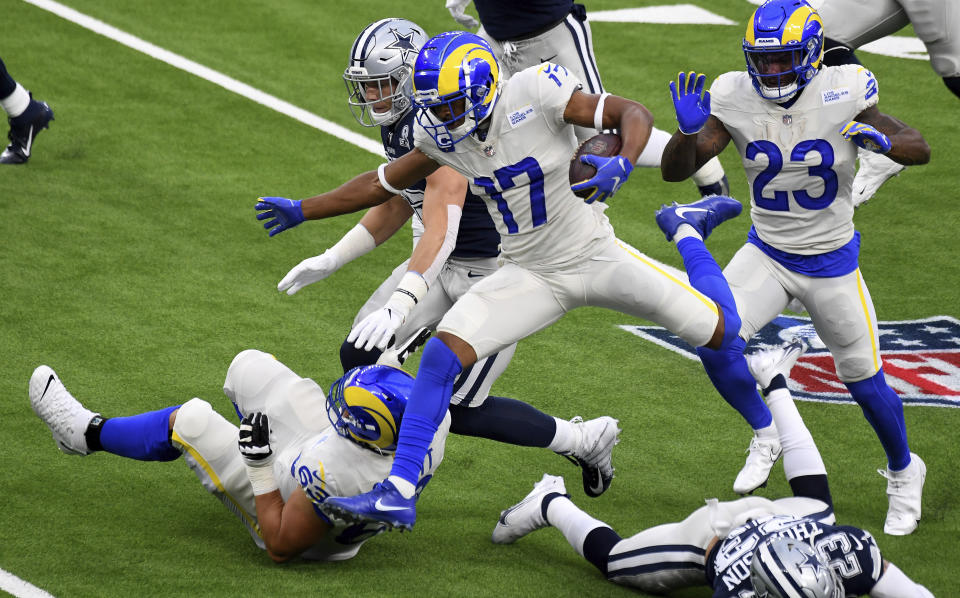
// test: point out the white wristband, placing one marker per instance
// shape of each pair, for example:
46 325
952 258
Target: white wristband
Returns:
411 290
598 113
358 241
262 480
383 180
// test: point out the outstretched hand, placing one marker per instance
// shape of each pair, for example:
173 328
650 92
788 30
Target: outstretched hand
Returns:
690 101
281 213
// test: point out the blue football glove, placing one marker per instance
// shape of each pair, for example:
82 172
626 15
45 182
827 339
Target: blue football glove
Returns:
283 213
690 102
611 174
866 137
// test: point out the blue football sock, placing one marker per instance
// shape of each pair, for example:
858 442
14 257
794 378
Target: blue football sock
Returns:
504 420
706 276
145 437
884 410
426 408
727 369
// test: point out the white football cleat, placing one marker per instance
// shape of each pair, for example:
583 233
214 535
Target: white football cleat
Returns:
904 491
875 170
63 414
594 452
527 515
761 457
765 365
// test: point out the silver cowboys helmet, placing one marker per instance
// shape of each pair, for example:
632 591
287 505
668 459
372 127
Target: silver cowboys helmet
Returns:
787 568
381 69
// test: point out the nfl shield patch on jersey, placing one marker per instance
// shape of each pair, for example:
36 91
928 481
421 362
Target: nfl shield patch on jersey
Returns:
921 358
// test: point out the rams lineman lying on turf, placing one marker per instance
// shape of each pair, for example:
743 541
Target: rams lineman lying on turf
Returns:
785 548
272 483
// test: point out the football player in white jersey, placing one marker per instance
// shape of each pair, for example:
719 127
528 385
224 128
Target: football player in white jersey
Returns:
513 141
455 245
286 457
850 24
525 34
785 548
797 127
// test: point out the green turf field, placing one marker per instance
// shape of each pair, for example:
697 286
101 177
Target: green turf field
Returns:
136 269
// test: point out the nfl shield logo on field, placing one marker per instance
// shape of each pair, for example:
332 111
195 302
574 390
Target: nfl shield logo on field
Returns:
921 358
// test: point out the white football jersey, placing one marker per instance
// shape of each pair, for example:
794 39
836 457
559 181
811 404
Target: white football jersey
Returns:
799 167
521 170
330 465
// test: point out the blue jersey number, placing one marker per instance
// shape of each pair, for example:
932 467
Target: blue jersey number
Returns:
824 170
552 70
505 177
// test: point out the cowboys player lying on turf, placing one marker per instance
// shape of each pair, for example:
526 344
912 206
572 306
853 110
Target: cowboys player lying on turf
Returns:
513 139
455 246
784 548
796 126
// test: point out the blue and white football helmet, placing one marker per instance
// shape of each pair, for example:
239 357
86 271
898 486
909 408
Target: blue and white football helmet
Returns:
382 58
456 84
783 46
788 568
367 403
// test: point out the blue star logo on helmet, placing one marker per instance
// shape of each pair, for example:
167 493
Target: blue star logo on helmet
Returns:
403 44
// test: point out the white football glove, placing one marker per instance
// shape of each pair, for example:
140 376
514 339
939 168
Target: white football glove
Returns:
309 271
378 328
456 8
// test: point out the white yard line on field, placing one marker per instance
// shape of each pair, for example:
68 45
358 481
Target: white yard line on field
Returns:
12 584
216 77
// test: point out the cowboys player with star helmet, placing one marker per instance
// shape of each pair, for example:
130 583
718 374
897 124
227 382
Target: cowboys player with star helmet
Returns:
525 34
513 138
284 460
752 547
456 245
797 126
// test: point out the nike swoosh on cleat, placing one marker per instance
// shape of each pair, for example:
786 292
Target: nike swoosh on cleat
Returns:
382 507
597 486
26 148
47 387
682 212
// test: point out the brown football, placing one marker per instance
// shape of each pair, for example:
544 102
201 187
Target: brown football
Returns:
604 144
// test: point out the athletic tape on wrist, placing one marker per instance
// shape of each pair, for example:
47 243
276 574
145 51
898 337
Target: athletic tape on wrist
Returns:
261 479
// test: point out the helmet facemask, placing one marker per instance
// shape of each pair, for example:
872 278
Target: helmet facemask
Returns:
378 100
783 47
379 77
470 65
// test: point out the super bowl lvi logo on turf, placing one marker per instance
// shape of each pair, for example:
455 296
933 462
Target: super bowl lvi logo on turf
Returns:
921 358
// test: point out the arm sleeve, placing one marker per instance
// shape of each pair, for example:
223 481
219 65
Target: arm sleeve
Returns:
449 242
